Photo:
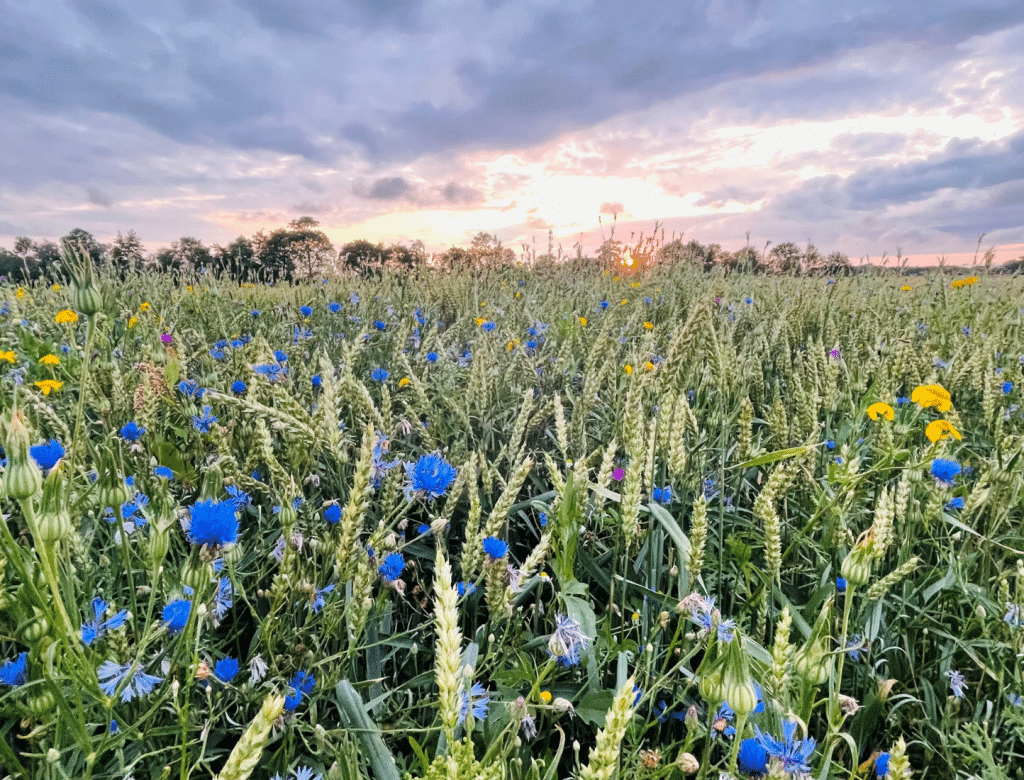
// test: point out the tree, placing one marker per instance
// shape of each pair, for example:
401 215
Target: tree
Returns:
96 250
309 250
785 258
403 258
48 257
237 260
362 256
487 250
455 258
126 253
15 267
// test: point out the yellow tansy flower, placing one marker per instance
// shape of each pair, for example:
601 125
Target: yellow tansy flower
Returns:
545 696
20 293
144 306
941 429
403 381
932 395
970 280
512 345
49 384
623 302
65 316
649 325
132 321
583 321
55 287
615 278
480 320
635 284
905 288
50 360
8 356
881 409
518 294
628 368
188 288
483 303
636 616
649 365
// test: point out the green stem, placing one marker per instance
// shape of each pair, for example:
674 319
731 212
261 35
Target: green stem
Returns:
741 722
79 414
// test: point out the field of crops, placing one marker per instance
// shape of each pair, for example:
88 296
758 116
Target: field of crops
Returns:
523 523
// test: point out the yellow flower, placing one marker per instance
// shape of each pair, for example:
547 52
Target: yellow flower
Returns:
483 303
881 409
49 384
518 294
635 284
8 356
480 320
144 306
65 316
615 278
970 280
512 345
941 429
932 395
50 360
636 616
188 288
583 321
132 322
55 287
628 369
623 302
20 293
649 365
545 696
649 325
905 288
403 381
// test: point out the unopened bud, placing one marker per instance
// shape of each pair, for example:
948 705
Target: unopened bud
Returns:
561 705
688 763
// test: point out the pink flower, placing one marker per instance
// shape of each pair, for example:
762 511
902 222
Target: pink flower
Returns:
165 338
618 474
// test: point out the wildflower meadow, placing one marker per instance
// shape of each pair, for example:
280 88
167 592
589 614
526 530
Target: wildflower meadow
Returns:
526 522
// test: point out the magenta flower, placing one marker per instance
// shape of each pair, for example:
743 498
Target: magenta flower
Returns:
165 338
618 474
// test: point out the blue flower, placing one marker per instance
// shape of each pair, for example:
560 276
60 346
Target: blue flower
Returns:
840 585
753 759
543 518
213 523
379 325
957 683
47 454
271 371
94 630
279 356
316 599
205 423
882 765
191 388
317 381
130 431
332 514
392 567
830 444
379 374
793 754
956 503
255 312
721 721
225 669
431 476
334 307
495 548
662 495
163 472
478 702
307 311
111 675
238 387
176 614
15 673
489 326
431 357
353 298
604 304
301 683
945 470
748 300
1007 387
114 728
223 600
566 641
217 354
464 589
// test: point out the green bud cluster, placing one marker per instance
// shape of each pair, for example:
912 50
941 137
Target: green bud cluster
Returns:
22 477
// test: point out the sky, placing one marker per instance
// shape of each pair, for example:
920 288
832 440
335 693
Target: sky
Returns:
866 128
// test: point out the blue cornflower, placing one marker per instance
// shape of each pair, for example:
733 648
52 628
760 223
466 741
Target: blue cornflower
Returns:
271 371
1013 615
307 311
431 357
130 431
191 388
176 614
15 673
238 343
489 326
392 567
111 675
213 523
94 630
255 312
478 702
430 476
464 589
302 773
830 444
793 754
903 400
239 498
221 344
721 721
495 548
603 304
1007 387
748 300
945 470
854 648
531 344
332 514
353 298
567 640
882 765
316 599
957 683
753 759
225 669
955 503
224 598
840 585
543 518
47 454
163 472
379 374
217 354
334 307
114 728
379 325
662 495
317 380
238 387
279 356
205 423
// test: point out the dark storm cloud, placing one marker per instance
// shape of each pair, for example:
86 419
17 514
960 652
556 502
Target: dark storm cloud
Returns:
455 193
98 198
386 189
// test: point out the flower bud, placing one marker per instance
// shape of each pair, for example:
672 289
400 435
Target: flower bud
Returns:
813 663
688 763
54 525
856 567
87 299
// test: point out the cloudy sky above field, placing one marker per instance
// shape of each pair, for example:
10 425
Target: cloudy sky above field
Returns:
862 129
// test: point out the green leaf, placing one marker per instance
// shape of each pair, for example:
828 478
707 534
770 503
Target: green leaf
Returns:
593 708
581 611
771 457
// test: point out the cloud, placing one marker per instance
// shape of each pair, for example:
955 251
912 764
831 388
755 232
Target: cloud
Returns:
456 193
386 189
99 198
